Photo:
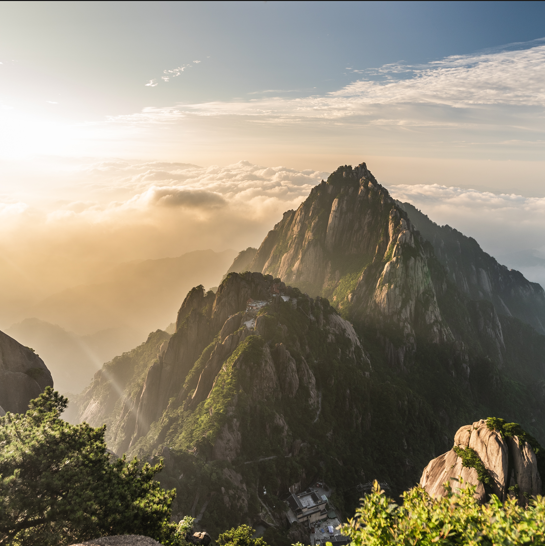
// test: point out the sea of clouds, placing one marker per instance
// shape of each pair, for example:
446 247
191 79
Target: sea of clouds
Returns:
132 210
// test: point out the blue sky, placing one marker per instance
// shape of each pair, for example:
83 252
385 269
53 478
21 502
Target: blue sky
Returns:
109 112
101 54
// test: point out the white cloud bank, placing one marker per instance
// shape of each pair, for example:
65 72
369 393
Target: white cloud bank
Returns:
141 210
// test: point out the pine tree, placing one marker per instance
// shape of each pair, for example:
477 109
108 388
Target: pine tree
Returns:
59 486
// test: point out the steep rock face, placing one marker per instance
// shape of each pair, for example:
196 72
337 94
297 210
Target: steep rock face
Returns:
243 261
102 401
510 463
211 329
448 468
262 382
23 375
351 243
479 275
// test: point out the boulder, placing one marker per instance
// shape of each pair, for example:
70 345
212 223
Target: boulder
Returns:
448 468
23 375
508 461
201 538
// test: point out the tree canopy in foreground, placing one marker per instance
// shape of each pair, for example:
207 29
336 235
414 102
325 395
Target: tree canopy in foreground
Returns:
455 519
58 485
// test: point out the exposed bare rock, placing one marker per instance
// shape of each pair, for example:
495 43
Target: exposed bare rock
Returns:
448 468
390 280
262 376
243 260
306 378
286 370
219 355
121 540
479 275
525 468
238 494
341 326
23 375
495 453
231 325
462 436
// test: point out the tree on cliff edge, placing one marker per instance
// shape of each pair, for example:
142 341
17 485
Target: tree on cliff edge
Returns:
58 485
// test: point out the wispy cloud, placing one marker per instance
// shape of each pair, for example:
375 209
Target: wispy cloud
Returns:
170 73
175 72
509 77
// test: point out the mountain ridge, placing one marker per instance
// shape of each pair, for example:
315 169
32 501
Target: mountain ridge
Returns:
264 385
479 275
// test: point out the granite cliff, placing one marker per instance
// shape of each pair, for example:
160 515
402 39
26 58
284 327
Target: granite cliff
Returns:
260 385
495 457
264 386
351 243
404 280
23 375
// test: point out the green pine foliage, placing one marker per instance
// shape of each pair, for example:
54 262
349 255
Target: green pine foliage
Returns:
58 485
470 459
240 536
511 430
455 519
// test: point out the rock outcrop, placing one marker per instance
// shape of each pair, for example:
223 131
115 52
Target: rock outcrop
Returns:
242 261
211 330
23 375
257 373
482 456
386 267
120 540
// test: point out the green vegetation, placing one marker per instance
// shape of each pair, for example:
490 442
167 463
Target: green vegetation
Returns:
471 459
241 536
455 519
58 485
511 430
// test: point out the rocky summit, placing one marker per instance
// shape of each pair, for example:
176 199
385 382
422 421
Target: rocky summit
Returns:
384 265
351 243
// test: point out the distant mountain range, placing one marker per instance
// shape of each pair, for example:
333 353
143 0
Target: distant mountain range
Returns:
77 330
349 347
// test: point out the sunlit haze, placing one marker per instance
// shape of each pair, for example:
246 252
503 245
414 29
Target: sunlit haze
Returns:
137 131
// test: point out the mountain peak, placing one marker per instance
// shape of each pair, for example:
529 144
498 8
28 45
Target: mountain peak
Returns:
350 242
348 173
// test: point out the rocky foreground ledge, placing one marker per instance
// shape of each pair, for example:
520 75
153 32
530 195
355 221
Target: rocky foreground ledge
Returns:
121 540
